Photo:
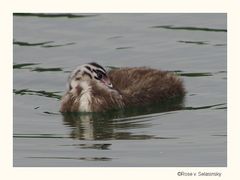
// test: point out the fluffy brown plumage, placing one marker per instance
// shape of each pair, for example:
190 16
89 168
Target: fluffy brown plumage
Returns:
143 86
119 88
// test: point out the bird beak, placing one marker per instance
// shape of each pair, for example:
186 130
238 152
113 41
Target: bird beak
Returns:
107 82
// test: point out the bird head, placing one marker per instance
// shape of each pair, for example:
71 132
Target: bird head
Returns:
89 73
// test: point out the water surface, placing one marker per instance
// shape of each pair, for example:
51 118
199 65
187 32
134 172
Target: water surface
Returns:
46 47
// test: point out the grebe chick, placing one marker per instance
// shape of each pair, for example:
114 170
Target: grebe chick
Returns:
92 89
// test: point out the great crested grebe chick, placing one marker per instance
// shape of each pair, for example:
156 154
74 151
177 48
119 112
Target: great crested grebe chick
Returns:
92 89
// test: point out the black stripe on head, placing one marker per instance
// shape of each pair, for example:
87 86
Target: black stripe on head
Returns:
97 65
87 74
96 78
99 72
88 68
76 72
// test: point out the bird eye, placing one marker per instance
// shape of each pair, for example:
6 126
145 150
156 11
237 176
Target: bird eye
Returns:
78 78
99 75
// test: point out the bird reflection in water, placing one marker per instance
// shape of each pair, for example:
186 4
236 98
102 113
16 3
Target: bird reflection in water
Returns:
116 124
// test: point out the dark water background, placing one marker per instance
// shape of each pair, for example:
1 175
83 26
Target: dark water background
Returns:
46 47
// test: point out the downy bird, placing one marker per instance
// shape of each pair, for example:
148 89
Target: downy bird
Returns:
90 88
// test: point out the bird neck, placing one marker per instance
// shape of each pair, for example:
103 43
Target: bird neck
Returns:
85 97
85 86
